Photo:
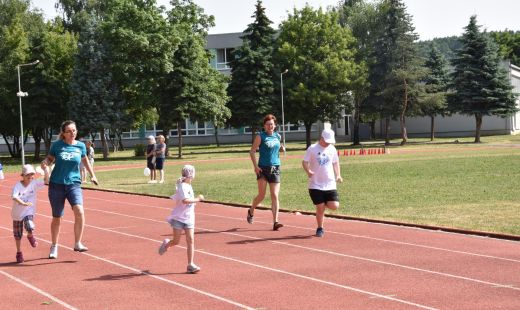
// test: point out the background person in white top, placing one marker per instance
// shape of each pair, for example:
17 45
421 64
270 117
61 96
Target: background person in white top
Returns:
24 207
321 163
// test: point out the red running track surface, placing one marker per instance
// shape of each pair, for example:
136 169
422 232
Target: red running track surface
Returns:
357 265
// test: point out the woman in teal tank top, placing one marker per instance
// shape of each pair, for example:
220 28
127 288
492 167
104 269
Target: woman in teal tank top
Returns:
267 169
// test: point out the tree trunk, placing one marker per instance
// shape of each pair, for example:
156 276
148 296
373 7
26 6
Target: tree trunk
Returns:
404 134
478 119
372 129
357 120
47 139
216 137
432 128
10 148
179 131
104 144
37 137
308 127
387 131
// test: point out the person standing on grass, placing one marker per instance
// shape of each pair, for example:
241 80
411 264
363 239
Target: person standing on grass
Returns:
183 216
321 163
24 207
267 169
65 183
150 159
160 154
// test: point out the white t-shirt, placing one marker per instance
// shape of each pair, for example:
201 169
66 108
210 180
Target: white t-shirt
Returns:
26 194
320 161
184 213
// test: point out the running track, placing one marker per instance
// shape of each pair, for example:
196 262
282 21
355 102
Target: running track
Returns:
357 265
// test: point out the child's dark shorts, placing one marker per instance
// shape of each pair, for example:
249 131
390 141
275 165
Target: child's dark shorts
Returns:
319 196
270 173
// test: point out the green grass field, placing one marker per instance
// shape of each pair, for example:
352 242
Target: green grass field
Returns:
459 185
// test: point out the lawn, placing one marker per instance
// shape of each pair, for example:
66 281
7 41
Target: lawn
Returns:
446 183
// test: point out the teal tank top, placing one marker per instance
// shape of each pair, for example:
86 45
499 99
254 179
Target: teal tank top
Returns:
269 149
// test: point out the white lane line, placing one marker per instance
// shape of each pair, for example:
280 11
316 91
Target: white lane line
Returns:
449 275
351 235
241 262
37 290
142 272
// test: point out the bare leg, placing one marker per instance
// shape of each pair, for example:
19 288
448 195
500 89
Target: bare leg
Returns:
55 229
262 186
320 214
18 244
79 222
190 242
274 189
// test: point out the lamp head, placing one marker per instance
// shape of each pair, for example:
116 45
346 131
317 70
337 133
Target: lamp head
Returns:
286 70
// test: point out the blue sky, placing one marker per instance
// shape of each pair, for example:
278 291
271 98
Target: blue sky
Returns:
431 18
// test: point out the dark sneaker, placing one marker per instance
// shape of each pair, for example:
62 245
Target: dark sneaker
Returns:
277 225
193 268
249 216
320 232
19 257
32 241
164 246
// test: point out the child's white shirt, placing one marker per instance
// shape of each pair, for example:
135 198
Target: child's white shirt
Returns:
184 213
320 161
26 194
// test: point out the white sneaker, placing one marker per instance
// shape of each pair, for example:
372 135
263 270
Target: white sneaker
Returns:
192 268
152 181
164 246
53 254
161 181
79 247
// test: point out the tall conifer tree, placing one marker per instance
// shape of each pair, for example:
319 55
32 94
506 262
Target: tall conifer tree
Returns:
480 85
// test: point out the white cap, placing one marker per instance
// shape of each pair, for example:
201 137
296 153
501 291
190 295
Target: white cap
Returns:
28 169
328 135
150 137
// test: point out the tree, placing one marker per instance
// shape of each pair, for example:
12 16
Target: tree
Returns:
193 89
56 49
320 56
480 85
397 70
508 45
436 83
95 101
251 87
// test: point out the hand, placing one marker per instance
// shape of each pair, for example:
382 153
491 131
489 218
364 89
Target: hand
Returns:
94 180
258 170
201 197
27 204
339 179
310 173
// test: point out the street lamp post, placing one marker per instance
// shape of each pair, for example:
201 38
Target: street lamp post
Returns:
21 94
283 116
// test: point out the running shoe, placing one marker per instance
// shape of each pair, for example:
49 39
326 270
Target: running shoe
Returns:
320 232
19 257
53 254
192 268
32 241
164 246
277 225
249 216
79 247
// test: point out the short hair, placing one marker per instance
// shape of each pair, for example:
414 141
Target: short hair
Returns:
269 117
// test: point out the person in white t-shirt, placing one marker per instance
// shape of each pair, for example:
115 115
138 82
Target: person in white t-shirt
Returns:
321 163
183 216
24 207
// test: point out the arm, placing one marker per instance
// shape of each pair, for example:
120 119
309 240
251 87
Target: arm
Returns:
87 165
306 167
46 175
193 200
21 202
47 162
337 172
252 151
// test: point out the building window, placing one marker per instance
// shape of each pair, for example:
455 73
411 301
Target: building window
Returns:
224 57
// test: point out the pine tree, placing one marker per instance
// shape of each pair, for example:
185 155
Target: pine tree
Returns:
251 87
480 85
436 84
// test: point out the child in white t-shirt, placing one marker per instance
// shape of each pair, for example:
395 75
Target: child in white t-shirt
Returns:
183 216
321 163
24 207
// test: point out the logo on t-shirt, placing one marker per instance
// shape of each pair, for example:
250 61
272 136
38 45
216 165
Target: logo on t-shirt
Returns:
271 143
323 159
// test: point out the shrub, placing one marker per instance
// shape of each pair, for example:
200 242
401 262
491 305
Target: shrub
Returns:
139 150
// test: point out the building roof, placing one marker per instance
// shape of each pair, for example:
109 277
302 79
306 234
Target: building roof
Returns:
224 40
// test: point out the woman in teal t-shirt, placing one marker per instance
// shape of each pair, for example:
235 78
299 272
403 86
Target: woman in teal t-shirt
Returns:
267 169
65 183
